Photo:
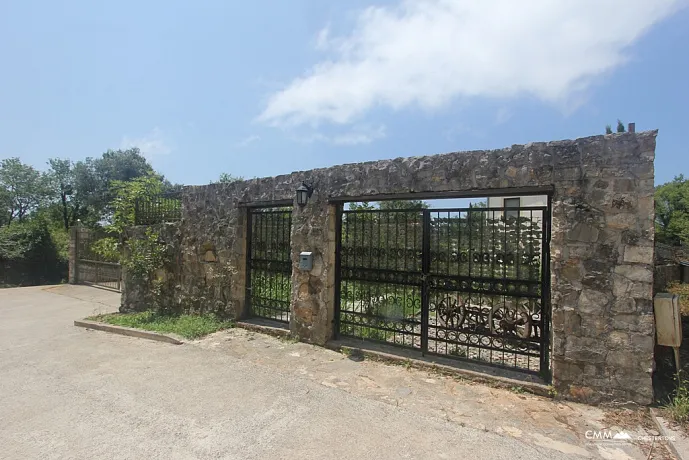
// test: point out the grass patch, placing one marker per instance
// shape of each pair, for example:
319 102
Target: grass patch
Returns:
678 407
188 326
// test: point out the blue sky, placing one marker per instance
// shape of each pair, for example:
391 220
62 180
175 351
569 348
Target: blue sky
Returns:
268 87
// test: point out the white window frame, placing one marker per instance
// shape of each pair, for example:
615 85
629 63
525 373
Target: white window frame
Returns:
512 214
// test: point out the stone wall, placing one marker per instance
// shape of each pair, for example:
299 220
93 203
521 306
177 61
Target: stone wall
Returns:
601 248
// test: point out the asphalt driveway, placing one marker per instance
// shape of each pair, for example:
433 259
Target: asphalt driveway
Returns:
68 392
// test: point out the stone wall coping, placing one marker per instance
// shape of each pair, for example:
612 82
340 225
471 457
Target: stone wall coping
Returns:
537 145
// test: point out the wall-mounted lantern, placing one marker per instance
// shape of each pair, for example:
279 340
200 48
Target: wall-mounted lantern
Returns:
304 192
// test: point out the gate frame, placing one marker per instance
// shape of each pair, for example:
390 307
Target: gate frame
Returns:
249 210
545 366
77 262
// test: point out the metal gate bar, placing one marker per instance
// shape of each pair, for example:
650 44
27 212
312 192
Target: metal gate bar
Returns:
90 267
381 276
469 283
269 263
105 274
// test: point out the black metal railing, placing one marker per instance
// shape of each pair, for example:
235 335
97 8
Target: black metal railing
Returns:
469 283
269 263
158 209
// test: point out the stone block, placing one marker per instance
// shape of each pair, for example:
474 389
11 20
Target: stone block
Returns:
622 220
618 340
640 273
638 254
585 350
572 271
594 325
623 305
621 360
583 232
592 301
624 184
568 371
572 323
643 342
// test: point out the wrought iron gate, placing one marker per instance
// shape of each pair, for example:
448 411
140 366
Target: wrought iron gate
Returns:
469 283
269 263
92 267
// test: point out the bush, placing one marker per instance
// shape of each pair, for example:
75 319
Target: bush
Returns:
108 249
31 255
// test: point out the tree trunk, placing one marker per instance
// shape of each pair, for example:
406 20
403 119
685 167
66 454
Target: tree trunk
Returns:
65 217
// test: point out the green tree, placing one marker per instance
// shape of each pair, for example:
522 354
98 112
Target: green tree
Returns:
4 206
60 181
29 254
24 189
403 204
362 206
121 165
672 211
608 129
94 179
620 126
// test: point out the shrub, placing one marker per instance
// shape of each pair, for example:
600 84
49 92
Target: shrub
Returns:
108 249
30 256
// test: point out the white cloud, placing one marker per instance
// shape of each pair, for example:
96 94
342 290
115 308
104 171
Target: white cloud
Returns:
248 141
355 136
152 144
429 53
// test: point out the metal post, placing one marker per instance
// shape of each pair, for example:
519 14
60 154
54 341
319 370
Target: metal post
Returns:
425 269
77 235
247 277
338 265
545 292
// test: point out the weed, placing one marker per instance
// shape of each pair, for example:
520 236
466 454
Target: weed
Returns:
552 392
678 407
289 338
188 326
459 352
517 389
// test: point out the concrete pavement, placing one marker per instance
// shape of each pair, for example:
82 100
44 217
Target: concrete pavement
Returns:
67 392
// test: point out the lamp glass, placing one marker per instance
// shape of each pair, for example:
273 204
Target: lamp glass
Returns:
302 195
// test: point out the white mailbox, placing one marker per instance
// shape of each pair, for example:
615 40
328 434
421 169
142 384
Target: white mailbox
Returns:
306 261
668 322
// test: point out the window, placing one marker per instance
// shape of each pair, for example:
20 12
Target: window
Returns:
512 203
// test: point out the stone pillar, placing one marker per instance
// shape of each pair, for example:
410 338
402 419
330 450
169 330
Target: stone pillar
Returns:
602 270
73 254
238 262
312 306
